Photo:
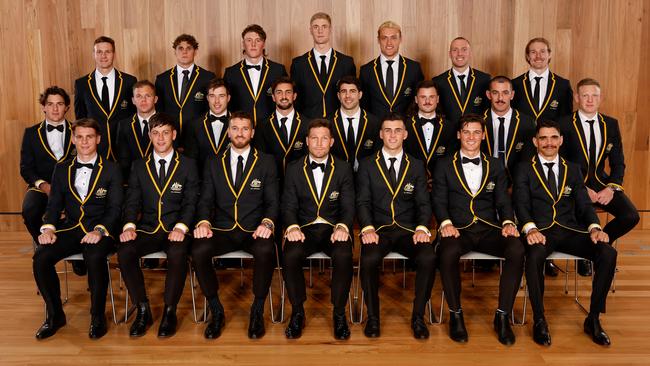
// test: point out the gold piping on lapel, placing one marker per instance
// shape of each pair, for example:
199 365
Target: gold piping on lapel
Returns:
549 93
318 202
462 106
46 147
178 103
361 136
583 144
514 134
259 89
416 130
108 115
381 86
91 189
137 141
329 77
208 134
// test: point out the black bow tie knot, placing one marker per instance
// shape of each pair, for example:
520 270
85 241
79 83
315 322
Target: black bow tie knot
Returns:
51 128
424 121
314 165
79 165
256 67
468 160
223 119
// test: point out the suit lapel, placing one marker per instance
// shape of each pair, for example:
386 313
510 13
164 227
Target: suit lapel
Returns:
577 125
512 133
401 72
539 171
207 128
489 131
140 140
338 124
42 136
453 85
460 174
92 182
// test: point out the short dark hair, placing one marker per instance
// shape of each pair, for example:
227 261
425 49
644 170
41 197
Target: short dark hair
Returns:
392 116
282 80
54 90
143 83
500 79
243 115
87 122
218 83
547 123
587 81
349 79
318 123
426 84
470 118
105 39
161 119
256 28
186 38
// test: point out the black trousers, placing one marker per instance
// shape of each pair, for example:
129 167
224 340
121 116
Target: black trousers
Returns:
398 240
317 239
485 239
68 243
575 243
221 242
34 204
625 216
129 254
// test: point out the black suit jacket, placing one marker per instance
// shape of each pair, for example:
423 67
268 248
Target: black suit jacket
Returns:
37 160
558 100
201 144
519 142
408 75
267 139
380 205
196 100
87 104
367 140
534 203
260 104
443 143
102 205
161 208
317 99
257 199
453 200
301 204
575 148
475 102
131 144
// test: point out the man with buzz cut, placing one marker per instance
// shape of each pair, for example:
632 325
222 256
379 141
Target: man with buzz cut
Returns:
317 72
159 209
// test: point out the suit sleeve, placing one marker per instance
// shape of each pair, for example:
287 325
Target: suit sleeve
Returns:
191 142
501 197
290 205
271 192
79 103
365 84
422 196
440 193
190 195
123 151
616 157
113 211
56 199
160 92
585 211
347 200
28 161
133 203
284 70
352 70
521 194
364 195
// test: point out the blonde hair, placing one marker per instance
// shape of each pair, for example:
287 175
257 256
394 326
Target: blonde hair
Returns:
390 25
321 15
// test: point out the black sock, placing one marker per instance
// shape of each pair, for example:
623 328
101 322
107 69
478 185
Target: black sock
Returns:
297 308
215 303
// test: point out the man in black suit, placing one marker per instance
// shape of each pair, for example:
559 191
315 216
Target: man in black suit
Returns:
237 211
394 209
207 135
390 79
133 136
318 210
593 138
88 188
355 130
431 136
317 72
159 208
539 92
182 89
461 87
282 134
44 145
250 79
471 203
553 206
105 95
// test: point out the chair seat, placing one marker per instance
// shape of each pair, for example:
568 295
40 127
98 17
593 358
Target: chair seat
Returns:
479 256
395 255
237 254
560 255
74 257
319 255
155 255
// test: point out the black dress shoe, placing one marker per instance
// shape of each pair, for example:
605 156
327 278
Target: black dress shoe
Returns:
550 269
541 335
372 328
593 328
457 331
79 268
584 268
296 323
341 328
143 320
215 324
420 330
256 324
168 322
98 327
50 326
502 327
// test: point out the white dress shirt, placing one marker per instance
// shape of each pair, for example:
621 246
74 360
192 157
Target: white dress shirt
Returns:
141 118
587 132
217 127
356 120
456 74
428 130
327 55
110 83
56 139
397 162
179 79
543 85
556 168
288 123
234 157
495 131
254 74
168 160
473 173
395 66
82 177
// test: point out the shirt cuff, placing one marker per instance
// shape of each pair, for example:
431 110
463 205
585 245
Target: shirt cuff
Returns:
266 219
342 225
506 222
103 228
445 223
594 226
423 228
38 183
127 226
528 227
203 222
369 227
613 186
291 227
47 226
182 227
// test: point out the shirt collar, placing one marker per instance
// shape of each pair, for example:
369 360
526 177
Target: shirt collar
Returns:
180 69
355 116
91 161
544 75
167 158
383 58
327 54
324 161
110 75
456 73
556 160
584 118
421 116
244 154
460 153
507 116
289 116
252 64
48 122
387 156
140 118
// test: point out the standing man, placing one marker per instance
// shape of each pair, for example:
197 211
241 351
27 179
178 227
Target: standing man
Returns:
182 89
553 204
162 193
88 189
105 95
318 210
540 93
594 141
471 203
356 131
317 72
394 210
237 211
250 79
390 79
462 87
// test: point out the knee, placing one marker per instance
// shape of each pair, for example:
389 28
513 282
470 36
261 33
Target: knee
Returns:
448 253
607 253
370 259
201 251
126 253
293 255
425 259
515 251
43 258
632 217
264 250
177 252
535 255
342 254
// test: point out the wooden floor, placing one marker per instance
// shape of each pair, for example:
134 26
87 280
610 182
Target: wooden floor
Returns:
627 322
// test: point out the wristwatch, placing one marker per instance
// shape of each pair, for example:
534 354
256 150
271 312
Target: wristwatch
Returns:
268 225
101 230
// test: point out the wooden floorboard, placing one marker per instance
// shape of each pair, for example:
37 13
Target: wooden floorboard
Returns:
627 322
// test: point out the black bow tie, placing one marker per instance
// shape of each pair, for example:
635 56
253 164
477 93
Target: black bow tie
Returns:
223 119
51 128
313 165
79 165
468 160
256 67
424 121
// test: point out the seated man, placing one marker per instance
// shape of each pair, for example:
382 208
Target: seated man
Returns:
237 210
552 203
318 209
394 210
163 192
471 203
88 189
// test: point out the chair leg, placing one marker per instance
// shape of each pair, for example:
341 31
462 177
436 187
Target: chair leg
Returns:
65 276
442 306
110 288
403 272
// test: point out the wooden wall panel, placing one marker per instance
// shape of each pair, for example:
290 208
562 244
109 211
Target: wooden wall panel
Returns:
50 42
